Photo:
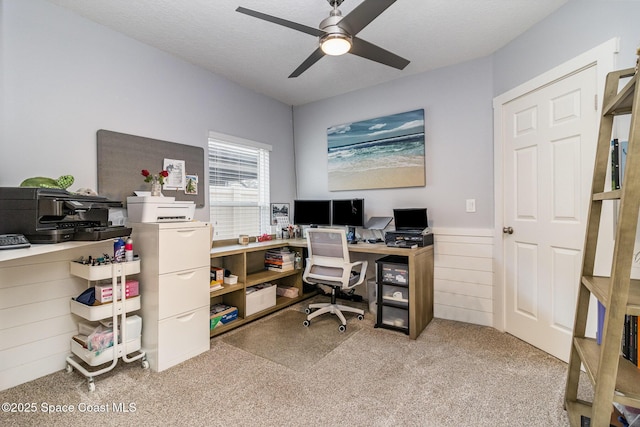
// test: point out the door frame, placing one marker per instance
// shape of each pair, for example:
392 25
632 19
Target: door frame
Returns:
603 57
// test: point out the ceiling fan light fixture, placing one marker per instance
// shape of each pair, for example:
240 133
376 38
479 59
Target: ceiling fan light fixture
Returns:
335 44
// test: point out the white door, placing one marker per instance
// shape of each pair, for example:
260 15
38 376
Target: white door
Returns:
549 139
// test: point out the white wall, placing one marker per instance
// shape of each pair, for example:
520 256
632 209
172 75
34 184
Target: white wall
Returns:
575 28
65 77
458 122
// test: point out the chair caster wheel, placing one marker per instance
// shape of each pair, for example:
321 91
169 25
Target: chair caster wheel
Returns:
306 323
69 369
91 385
145 364
342 328
307 310
360 317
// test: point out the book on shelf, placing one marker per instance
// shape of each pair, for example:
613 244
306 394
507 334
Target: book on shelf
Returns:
629 345
215 286
280 259
618 162
615 165
279 267
600 325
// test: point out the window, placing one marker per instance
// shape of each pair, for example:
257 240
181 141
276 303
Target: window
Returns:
238 186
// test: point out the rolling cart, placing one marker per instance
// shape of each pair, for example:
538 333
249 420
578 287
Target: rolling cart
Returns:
124 347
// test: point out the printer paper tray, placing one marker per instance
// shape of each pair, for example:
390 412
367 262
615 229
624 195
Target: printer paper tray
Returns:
102 233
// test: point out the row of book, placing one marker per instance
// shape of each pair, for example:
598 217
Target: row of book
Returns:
629 346
630 339
279 259
618 162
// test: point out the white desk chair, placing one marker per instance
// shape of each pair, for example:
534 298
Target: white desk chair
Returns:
329 264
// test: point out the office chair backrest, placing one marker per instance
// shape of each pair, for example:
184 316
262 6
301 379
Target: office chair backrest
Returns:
328 245
328 259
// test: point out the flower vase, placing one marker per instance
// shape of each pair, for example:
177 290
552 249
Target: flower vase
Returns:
156 188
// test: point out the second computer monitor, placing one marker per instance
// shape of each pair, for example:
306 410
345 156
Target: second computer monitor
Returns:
349 212
312 212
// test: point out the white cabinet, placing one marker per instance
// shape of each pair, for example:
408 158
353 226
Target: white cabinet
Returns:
175 283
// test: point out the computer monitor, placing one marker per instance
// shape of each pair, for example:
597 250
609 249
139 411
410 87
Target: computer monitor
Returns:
348 212
410 219
312 212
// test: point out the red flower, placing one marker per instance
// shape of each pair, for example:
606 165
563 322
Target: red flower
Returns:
159 178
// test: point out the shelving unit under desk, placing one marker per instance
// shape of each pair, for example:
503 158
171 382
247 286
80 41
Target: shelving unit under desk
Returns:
234 258
247 262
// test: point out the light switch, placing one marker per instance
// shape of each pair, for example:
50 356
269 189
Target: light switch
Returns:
471 205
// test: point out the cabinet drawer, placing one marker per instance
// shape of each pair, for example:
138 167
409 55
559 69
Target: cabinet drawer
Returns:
182 291
182 337
183 249
395 295
397 317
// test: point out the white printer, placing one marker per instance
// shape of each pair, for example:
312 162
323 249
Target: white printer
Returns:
159 209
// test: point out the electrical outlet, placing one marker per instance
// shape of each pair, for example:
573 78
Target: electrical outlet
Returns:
471 205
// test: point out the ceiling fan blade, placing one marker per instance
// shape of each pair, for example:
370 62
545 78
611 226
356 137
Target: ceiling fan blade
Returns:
289 24
312 59
370 51
363 14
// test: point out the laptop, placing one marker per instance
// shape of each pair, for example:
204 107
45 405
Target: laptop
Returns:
411 220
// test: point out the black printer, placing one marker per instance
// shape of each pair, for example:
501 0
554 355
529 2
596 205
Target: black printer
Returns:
52 215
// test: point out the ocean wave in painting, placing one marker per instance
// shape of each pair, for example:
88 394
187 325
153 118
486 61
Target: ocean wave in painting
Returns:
393 152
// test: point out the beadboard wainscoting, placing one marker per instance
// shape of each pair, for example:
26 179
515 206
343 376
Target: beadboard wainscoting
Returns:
36 324
463 275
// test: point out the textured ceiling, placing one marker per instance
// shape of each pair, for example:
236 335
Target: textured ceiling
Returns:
260 55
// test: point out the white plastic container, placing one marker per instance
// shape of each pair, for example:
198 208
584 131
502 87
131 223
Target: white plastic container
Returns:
260 300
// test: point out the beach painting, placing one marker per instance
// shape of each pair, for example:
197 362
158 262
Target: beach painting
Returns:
386 152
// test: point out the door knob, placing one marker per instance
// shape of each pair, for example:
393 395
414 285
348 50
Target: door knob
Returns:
507 230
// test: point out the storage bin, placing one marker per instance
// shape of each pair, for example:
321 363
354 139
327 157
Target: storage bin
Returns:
104 291
395 294
133 331
102 272
392 316
287 291
102 311
395 274
93 359
260 297
372 296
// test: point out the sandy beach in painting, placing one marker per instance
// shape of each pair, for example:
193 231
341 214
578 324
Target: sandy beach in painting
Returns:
386 152
377 178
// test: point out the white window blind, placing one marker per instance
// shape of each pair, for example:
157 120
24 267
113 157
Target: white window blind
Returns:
238 187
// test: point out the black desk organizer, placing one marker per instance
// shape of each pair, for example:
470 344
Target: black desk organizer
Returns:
392 279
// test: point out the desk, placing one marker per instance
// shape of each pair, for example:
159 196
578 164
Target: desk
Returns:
246 261
420 261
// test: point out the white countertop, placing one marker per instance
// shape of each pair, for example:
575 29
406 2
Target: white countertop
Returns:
44 248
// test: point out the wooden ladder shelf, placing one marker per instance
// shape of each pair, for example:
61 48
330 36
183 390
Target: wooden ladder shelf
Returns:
614 378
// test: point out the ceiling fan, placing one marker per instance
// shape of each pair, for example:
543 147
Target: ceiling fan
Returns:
337 34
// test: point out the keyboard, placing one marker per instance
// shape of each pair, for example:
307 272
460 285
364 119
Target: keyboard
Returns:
13 241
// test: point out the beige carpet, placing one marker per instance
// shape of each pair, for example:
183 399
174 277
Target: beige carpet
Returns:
454 374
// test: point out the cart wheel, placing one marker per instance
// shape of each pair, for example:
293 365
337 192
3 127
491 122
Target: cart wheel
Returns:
69 369
91 385
306 323
307 310
360 317
145 364
342 328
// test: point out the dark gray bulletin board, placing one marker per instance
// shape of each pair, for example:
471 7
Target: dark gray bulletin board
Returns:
122 157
